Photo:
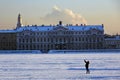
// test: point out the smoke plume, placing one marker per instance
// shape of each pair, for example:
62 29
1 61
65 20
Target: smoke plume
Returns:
66 15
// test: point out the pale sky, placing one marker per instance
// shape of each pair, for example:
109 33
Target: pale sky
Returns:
39 12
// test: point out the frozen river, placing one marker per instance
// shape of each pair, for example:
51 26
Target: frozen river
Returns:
59 66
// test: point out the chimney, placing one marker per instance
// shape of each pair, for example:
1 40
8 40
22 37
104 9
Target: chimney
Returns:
60 23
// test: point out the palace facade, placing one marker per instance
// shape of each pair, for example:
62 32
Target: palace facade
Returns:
57 37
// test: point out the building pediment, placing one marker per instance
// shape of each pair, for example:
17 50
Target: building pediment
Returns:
26 32
95 31
60 28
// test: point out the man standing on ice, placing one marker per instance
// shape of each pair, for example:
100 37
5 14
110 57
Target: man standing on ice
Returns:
87 66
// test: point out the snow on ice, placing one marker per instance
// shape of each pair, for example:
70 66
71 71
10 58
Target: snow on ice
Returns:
59 66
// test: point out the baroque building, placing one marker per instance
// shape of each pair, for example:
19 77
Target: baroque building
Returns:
59 37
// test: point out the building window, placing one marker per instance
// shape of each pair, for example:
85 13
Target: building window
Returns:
30 40
23 47
76 39
20 40
26 40
37 34
83 39
44 39
82 32
79 39
30 46
86 39
23 41
90 40
19 46
34 39
48 39
37 39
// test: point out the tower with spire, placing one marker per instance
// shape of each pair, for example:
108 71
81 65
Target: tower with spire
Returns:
19 21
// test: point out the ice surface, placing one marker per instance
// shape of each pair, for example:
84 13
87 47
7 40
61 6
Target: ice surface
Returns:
59 66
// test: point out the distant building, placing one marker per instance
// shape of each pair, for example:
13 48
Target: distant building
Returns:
58 37
112 42
8 40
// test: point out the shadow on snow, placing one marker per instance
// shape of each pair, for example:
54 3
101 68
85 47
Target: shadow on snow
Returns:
94 69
